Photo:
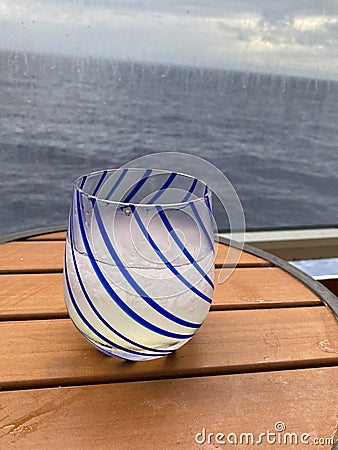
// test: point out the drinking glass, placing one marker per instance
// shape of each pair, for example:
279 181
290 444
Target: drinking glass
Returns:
139 260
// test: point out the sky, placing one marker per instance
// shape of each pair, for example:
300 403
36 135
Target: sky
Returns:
318 267
274 36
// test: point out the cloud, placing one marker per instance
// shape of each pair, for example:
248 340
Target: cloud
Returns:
286 42
266 35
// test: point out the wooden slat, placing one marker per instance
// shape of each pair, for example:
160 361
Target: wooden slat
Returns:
247 260
169 414
52 352
57 236
47 256
261 287
244 259
30 257
29 296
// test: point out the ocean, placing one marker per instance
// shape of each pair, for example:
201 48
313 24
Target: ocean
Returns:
274 137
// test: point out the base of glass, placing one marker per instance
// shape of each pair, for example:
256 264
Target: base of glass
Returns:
132 355
113 351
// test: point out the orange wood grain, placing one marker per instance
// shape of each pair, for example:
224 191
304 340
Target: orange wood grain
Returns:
47 256
221 254
30 257
168 414
52 352
29 296
236 258
233 376
257 287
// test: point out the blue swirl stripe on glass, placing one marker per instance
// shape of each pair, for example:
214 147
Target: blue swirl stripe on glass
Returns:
207 198
201 224
116 185
94 309
193 207
103 176
92 328
163 188
165 260
137 186
130 279
123 291
190 192
181 246
83 181
104 282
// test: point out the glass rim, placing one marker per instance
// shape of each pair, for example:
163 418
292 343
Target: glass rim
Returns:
147 205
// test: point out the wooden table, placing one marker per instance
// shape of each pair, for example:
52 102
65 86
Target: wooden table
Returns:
266 357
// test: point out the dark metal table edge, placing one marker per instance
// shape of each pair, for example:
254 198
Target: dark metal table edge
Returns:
31 233
327 297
